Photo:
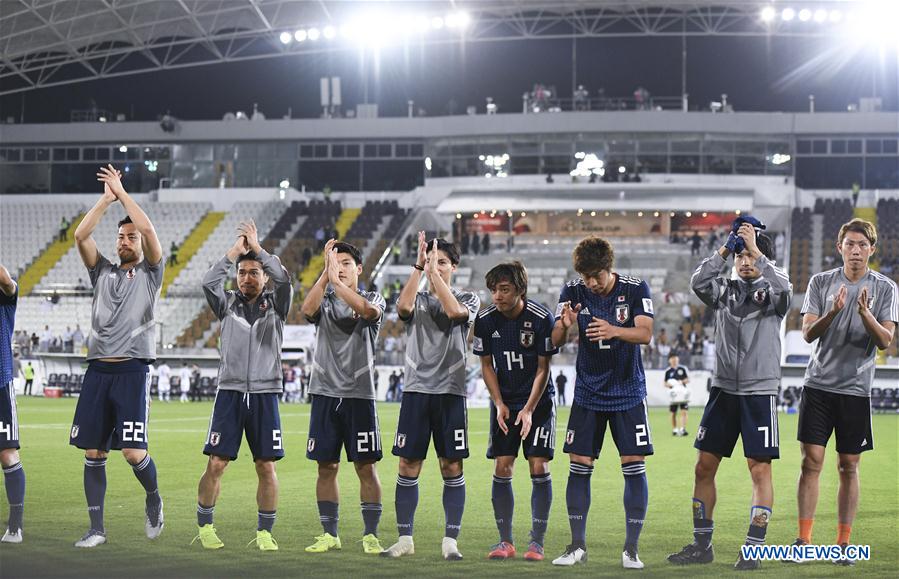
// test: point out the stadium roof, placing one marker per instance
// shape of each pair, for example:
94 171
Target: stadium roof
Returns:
56 42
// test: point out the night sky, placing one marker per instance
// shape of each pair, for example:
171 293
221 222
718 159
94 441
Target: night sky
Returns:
758 74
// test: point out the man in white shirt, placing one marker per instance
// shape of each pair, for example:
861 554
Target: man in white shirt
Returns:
165 388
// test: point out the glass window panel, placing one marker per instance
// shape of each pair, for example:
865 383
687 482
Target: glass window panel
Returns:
750 165
838 146
385 150
873 146
685 163
750 148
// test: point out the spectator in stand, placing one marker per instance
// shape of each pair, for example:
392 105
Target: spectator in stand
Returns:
708 354
307 256
485 244
662 348
173 254
687 313
475 243
46 339
320 238
397 253
695 244
581 99
68 340
410 245
713 240
64 229
466 242
392 384
35 342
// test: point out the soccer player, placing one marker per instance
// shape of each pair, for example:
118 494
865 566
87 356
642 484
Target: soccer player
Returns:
743 398
249 379
13 473
184 375
849 313
513 337
433 393
164 372
613 314
114 405
343 392
676 379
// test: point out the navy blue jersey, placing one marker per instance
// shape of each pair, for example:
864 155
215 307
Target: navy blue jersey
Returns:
609 374
7 323
514 346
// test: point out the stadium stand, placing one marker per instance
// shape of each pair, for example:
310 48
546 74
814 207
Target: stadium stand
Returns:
28 228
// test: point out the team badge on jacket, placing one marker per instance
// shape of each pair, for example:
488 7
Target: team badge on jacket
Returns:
760 296
622 313
263 305
527 338
130 274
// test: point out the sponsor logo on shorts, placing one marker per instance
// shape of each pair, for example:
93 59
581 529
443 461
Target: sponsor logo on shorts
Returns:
74 431
569 437
310 445
215 438
400 440
700 433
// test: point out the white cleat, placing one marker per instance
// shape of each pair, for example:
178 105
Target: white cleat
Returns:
152 530
12 536
631 560
91 539
403 546
451 550
572 556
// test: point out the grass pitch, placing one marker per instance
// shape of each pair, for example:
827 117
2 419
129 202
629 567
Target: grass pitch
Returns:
55 513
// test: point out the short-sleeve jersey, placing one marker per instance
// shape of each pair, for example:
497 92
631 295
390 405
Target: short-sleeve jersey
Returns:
843 358
344 361
7 325
609 374
436 345
679 373
122 316
514 345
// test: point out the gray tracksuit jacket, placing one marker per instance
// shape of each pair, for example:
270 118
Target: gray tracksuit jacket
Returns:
251 333
747 324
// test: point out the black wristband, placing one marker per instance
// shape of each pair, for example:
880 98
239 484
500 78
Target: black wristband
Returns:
418 267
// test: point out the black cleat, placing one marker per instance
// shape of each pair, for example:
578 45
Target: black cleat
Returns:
692 554
747 564
797 543
844 561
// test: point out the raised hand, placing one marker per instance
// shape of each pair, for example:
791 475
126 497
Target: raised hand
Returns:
433 257
332 267
839 300
248 230
569 314
422 250
747 232
862 301
112 182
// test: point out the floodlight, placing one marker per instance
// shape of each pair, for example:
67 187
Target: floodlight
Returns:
314 33
768 14
286 37
788 14
301 35
329 32
805 15
820 15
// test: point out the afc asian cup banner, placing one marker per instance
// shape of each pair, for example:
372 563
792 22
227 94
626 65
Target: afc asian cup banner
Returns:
298 338
615 225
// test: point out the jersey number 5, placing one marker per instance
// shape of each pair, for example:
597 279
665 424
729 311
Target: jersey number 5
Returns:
276 439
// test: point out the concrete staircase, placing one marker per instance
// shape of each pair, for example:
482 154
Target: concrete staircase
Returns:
45 262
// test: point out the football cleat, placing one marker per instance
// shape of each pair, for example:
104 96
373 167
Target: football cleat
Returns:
450 550
91 539
403 546
747 564
264 541
208 537
630 560
692 554
155 519
371 545
535 552
797 543
501 550
572 556
843 560
12 536
323 543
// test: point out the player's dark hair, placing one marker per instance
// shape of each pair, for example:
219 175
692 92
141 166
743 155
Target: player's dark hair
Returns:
765 245
449 248
593 255
862 226
343 247
124 221
250 255
512 272
673 355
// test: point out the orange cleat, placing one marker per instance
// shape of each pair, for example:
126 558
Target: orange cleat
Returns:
535 552
502 550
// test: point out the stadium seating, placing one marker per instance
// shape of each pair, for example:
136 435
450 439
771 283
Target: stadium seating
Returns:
887 255
28 227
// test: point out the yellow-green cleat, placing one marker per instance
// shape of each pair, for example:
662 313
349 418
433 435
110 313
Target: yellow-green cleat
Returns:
371 545
264 541
208 537
323 543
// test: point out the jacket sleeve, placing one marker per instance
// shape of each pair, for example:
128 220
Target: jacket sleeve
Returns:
706 282
781 293
276 272
214 287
